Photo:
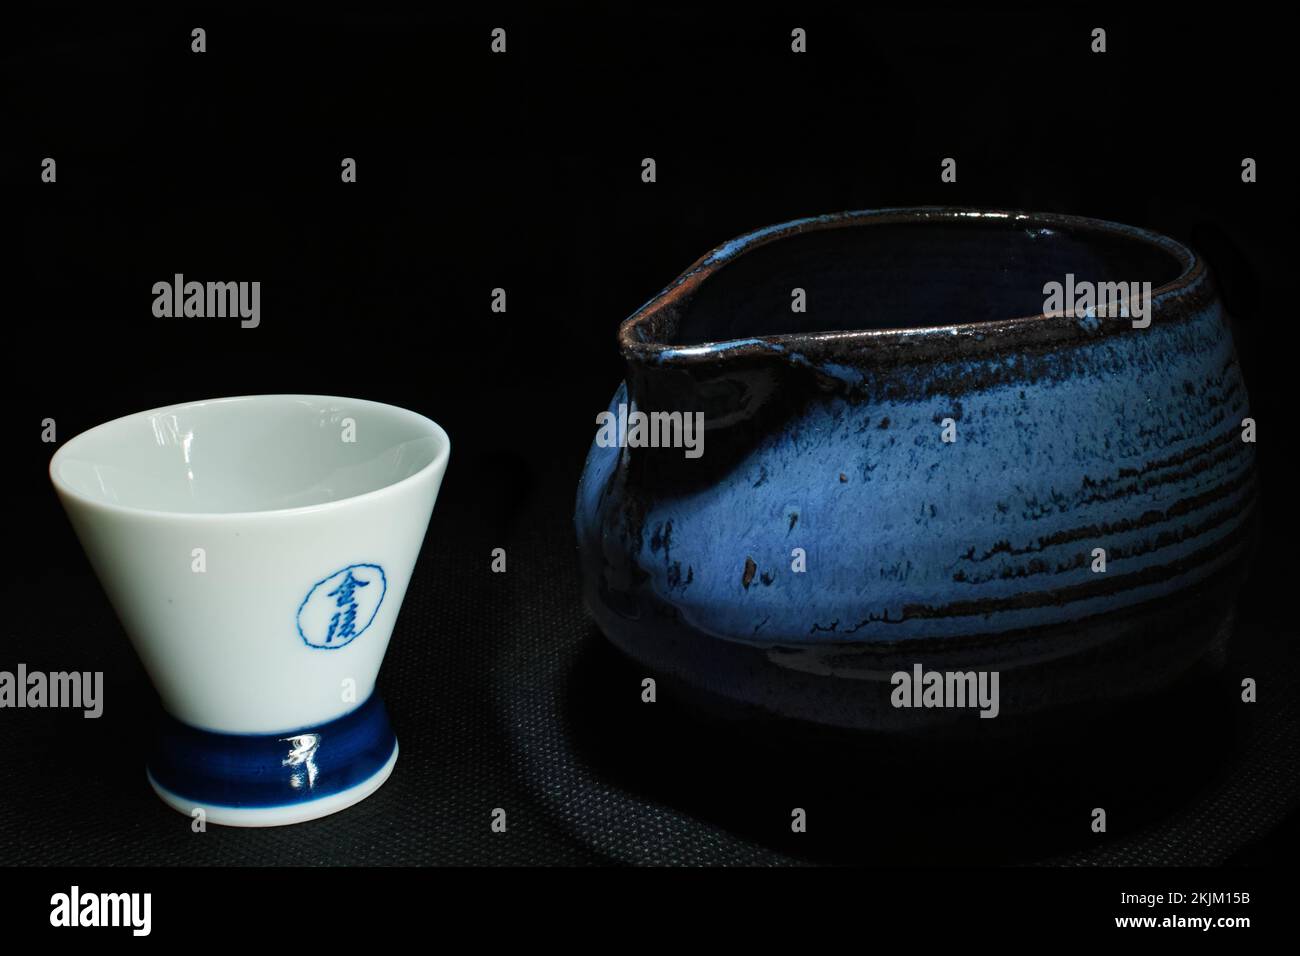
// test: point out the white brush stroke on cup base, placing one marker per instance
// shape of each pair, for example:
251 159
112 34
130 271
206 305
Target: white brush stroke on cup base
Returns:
257 550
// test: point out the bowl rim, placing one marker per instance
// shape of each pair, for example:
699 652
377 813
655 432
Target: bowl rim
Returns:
1192 275
69 494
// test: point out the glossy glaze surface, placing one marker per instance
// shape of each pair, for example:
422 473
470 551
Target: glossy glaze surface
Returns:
239 455
1072 433
257 551
224 607
272 770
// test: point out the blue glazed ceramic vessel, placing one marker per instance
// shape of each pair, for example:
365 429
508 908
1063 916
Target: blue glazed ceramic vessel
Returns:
921 467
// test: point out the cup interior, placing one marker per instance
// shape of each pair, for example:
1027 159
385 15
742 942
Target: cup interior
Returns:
248 454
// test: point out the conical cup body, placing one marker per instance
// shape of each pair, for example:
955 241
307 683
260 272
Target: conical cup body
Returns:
256 620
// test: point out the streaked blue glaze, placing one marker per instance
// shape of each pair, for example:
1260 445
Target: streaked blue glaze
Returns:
275 770
1125 440
921 522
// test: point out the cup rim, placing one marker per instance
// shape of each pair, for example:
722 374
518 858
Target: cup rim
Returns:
635 346
67 492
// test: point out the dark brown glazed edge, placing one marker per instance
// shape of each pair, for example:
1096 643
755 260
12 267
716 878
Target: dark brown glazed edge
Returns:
1177 299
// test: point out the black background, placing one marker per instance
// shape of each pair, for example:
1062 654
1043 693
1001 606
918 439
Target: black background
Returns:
523 171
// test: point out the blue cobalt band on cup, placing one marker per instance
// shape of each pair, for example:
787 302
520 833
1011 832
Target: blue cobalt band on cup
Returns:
254 776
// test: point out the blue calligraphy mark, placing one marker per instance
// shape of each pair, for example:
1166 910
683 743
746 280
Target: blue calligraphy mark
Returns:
339 608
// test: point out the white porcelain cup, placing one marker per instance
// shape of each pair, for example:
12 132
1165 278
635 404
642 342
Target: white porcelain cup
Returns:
257 550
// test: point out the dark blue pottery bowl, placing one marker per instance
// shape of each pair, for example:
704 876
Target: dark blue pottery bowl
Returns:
920 467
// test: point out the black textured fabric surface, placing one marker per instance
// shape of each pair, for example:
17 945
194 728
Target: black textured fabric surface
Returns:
503 695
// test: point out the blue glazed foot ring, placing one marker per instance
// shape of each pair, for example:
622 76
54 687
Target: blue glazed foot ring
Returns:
256 780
